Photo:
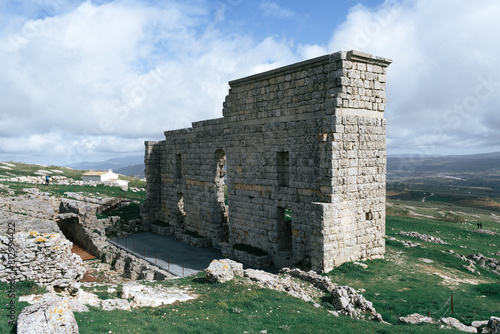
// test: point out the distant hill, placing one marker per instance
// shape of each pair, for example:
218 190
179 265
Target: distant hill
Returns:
398 166
115 164
134 170
421 166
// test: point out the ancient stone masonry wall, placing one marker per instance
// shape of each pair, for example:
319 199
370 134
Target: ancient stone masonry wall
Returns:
301 150
45 258
153 169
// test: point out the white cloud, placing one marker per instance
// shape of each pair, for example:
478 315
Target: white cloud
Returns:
272 9
100 79
443 52
114 75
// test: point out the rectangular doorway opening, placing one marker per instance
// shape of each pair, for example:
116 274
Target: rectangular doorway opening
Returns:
284 228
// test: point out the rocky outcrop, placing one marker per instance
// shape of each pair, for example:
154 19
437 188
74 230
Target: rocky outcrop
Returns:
321 282
350 303
79 302
146 296
489 263
480 260
454 323
424 237
278 283
50 315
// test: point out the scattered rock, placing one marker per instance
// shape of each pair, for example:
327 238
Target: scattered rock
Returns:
321 282
145 296
278 283
50 315
480 325
219 271
361 264
454 323
348 302
416 318
489 263
488 232
493 326
76 305
334 313
424 237
426 260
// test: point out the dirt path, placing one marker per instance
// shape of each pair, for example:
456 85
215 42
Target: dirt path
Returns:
423 199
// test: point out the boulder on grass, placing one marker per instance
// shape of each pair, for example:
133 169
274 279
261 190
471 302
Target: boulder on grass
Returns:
219 271
51 315
415 318
454 323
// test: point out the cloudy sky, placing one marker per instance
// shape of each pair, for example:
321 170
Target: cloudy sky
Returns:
91 80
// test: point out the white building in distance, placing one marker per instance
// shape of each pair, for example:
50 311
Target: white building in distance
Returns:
99 176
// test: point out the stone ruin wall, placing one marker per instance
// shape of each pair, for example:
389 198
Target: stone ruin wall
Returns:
45 258
307 138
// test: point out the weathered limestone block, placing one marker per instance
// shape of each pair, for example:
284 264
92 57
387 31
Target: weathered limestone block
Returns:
50 315
415 318
321 282
144 296
278 283
454 323
236 267
36 255
219 271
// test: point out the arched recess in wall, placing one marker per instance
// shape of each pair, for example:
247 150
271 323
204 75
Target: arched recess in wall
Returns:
221 217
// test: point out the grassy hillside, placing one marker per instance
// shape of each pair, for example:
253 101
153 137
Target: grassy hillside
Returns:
409 280
9 170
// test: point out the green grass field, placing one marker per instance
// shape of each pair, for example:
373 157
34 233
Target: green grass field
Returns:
232 307
399 285
406 283
54 189
409 280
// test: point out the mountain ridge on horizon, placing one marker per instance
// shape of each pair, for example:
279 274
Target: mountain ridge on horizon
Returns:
409 163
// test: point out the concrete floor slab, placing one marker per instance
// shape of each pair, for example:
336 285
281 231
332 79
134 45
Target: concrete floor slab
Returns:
174 256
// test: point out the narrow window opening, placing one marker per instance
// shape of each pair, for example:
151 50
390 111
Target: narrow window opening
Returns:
221 193
369 215
284 228
283 169
178 166
181 214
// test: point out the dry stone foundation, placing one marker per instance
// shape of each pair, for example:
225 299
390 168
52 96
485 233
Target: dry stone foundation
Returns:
44 258
300 154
